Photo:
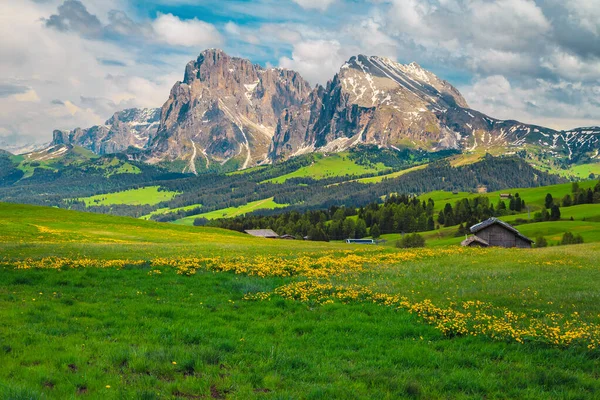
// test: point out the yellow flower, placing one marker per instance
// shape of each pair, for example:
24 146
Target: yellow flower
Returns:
174 363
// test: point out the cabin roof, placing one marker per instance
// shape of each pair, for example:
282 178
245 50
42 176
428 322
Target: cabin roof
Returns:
269 233
472 239
493 221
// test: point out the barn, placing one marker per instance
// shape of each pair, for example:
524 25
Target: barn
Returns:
494 232
264 233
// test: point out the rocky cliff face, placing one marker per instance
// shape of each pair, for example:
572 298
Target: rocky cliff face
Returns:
226 108
376 100
128 128
371 100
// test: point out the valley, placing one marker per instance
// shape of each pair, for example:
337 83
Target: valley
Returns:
316 200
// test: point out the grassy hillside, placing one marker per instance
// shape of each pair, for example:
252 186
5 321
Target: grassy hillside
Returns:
150 195
327 166
133 309
379 178
586 223
231 212
533 196
583 171
162 211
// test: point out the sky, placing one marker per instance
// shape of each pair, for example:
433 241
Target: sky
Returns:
73 63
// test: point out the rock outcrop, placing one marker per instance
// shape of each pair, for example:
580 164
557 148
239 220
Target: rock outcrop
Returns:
226 108
128 128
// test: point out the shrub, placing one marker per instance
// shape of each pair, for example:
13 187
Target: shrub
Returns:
569 238
201 221
375 231
411 241
541 241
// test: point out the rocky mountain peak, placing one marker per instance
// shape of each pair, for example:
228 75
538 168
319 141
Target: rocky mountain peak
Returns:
226 109
128 128
372 80
230 112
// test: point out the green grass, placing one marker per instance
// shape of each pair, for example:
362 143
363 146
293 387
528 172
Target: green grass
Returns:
328 166
150 195
533 196
582 171
162 211
124 168
247 170
586 222
70 333
231 212
377 179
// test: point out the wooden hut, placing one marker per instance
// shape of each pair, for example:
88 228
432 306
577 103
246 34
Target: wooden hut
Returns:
264 233
474 241
494 232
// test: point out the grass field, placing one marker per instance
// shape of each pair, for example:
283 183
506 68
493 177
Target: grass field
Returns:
231 212
583 171
586 223
377 179
147 195
532 196
161 211
327 166
126 308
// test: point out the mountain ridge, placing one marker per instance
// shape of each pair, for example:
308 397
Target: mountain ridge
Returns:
230 113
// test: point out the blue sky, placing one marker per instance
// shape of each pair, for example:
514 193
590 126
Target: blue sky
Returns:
72 63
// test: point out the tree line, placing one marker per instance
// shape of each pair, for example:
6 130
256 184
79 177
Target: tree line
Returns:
397 214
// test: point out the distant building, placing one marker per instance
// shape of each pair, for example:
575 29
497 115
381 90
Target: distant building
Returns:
494 232
474 241
505 196
287 237
264 233
360 241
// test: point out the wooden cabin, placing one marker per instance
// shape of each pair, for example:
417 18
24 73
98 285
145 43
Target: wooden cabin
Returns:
494 232
264 233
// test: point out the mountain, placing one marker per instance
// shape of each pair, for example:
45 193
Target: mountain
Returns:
378 101
128 128
228 113
225 109
15 146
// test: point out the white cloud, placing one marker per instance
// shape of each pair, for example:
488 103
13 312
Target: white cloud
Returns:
60 72
586 13
315 4
30 96
190 33
571 67
315 60
558 105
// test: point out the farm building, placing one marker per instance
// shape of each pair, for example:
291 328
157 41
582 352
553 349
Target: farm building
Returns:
264 233
287 237
494 232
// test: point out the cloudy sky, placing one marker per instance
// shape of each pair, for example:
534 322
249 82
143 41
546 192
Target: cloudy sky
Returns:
71 63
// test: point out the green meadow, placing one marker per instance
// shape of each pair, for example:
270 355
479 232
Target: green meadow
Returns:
532 196
231 212
331 165
148 328
586 222
583 171
150 195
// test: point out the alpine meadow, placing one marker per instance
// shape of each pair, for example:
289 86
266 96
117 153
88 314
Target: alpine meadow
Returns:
297 199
